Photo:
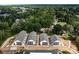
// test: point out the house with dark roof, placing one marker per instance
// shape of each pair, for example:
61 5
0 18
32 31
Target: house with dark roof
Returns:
20 38
54 40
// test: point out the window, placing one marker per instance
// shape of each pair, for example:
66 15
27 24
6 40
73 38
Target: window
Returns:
19 43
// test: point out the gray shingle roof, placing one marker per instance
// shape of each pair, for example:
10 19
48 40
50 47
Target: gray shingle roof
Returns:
43 36
21 36
54 38
32 36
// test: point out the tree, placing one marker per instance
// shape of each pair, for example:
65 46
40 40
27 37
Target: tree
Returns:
77 42
36 27
4 25
16 28
57 29
44 16
46 23
3 35
68 28
32 27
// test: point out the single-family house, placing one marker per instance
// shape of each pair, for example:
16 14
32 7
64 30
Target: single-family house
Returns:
43 38
54 40
20 38
32 38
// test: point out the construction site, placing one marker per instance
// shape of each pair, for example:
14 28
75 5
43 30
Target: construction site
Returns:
25 43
